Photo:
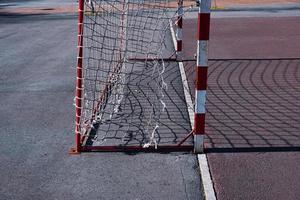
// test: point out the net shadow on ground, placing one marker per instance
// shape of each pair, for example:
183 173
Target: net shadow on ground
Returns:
252 105
131 97
130 125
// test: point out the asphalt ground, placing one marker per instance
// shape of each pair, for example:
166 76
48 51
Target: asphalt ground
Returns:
253 105
37 87
35 3
37 136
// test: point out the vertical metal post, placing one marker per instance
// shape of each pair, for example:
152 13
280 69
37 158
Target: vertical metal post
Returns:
201 73
179 29
78 97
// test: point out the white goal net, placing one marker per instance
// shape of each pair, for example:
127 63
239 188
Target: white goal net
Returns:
125 76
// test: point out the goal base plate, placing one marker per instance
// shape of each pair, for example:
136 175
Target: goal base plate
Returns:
73 151
198 144
137 149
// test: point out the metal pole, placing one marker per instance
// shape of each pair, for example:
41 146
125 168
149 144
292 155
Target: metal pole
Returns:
179 29
201 74
78 97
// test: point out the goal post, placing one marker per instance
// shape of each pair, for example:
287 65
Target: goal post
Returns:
201 73
129 95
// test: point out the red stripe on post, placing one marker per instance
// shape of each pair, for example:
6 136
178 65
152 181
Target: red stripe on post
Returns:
199 126
203 26
201 79
79 74
179 45
179 22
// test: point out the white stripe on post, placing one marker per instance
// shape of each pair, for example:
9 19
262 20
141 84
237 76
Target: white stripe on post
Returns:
204 6
202 50
180 8
201 71
200 103
179 34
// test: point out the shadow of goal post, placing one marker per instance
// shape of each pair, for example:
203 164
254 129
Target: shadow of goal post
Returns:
198 131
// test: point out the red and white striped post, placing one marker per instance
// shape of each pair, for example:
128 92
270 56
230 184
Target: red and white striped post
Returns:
201 74
179 29
78 97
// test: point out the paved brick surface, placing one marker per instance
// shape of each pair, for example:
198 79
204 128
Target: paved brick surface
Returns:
248 176
252 102
233 3
247 38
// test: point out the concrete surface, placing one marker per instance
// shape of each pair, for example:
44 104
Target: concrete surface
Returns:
37 83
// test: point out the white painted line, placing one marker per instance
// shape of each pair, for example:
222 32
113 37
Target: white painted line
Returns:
206 178
173 34
203 165
187 94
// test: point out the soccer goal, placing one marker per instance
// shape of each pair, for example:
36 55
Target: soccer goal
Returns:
130 91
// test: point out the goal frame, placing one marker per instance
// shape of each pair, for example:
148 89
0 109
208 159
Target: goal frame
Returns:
198 123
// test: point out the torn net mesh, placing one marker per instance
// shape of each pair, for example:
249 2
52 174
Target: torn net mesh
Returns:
124 80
